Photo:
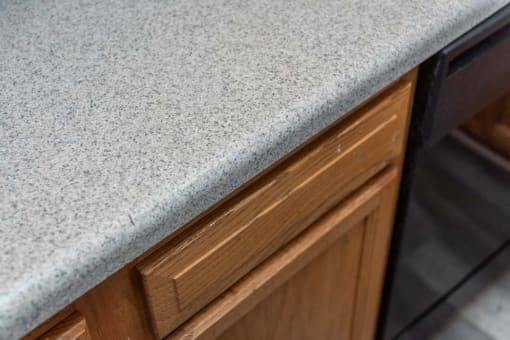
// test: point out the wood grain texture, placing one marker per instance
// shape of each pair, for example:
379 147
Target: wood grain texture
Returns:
317 302
46 326
492 125
185 277
116 309
378 230
73 327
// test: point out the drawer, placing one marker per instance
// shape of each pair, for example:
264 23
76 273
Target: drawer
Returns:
185 275
74 327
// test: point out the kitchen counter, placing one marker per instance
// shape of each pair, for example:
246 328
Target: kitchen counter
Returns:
122 121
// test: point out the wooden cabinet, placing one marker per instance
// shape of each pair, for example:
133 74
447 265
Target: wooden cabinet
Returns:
299 252
189 273
74 327
325 284
492 126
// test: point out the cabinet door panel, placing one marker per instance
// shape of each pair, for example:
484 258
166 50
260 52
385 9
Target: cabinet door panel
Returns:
314 304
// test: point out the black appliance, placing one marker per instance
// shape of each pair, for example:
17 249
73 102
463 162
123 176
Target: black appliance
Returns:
454 208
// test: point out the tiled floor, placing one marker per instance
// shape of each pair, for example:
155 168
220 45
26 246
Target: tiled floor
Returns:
480 310
488 312
458 216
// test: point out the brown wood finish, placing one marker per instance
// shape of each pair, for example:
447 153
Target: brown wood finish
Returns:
492 126
315 303
73 327
46 326
321 302
378 230
117 307
333 289
185 277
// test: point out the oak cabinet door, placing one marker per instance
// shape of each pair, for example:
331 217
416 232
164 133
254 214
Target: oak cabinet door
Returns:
316 303
325 284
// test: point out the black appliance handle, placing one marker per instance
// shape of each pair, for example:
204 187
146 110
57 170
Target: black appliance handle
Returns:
463 57
466 76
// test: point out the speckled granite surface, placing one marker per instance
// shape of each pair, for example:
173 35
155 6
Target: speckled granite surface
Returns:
121 120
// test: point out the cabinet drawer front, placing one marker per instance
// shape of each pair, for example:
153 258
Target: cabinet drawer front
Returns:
190 272
73 327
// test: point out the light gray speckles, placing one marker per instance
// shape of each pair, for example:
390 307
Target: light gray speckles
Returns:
122 120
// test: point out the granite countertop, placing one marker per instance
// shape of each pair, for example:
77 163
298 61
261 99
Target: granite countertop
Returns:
122 120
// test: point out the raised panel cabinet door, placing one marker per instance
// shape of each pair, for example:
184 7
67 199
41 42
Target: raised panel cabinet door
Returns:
325 284
316 303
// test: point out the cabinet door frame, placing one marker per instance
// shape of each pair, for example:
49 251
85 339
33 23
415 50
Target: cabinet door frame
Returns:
373 205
